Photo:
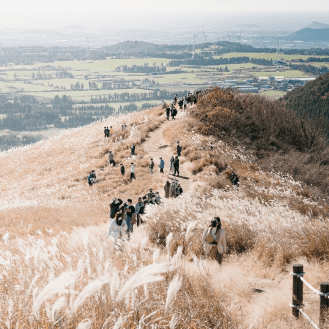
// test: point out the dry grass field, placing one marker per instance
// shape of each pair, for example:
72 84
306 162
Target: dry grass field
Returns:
59 270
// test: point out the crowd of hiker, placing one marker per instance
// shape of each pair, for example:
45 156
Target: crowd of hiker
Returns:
124 214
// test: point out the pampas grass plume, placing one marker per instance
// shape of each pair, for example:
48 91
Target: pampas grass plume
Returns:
174 286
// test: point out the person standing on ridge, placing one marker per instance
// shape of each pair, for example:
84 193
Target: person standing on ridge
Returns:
171 167
111 159
130 210
105 134
132 149
161 165
151 166
122 169
168 112
132 172
176 166
179 149
175 99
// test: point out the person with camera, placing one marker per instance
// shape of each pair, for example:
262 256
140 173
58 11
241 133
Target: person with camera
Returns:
214 241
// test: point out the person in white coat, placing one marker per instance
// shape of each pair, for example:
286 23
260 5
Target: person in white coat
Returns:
214 241
117 229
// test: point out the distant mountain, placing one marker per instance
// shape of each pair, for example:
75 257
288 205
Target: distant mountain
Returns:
133 46
317 25
309 34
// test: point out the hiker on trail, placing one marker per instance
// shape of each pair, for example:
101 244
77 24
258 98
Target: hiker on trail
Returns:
132 172
120 139
171 167
138 207
175 99
111 159
161 165
151 166
176 166
105 132
179 149
214 241
129 217
167 189
149 194
92 178
132 149
117 229
111 130
234 178
154 201
157 198
173 188
179 190
168 112
122 169
185 103
115 207
180 103
173 113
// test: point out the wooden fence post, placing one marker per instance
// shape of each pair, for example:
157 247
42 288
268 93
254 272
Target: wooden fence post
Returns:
324 304
297 289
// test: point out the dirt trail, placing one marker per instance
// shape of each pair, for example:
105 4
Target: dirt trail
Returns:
157 147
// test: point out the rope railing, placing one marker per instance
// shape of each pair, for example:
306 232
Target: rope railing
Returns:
297 297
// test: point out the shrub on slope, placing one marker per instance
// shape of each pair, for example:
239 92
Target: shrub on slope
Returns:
279 138
312 100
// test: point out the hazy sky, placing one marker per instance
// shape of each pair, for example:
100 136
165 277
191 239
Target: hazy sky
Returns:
98 13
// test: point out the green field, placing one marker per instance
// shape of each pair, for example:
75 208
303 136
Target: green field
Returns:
285 74
273 94
273 56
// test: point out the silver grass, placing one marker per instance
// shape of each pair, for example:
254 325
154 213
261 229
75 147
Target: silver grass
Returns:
147 274
168 243
53 287
118 324
174 286
143 243
173 322
88 290
58 305
85 324
190 228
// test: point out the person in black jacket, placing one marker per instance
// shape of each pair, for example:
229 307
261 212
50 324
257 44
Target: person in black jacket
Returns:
115 207
168 112
179 149
176 166
122 169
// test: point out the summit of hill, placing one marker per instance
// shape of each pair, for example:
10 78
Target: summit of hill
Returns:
58 262
311 34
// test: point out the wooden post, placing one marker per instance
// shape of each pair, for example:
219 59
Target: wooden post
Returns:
297 289
324 304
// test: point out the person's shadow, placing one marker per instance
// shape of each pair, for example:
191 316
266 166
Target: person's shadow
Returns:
182 177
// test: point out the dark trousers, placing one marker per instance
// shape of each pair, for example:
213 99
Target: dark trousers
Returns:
176 170
112 162
161 170
132 175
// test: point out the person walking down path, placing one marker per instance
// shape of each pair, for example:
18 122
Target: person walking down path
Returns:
132 172
111 159
171 165
122 169
132 149
161 165
179 149
117 230
167 189
176 166
151 166
173 113
214 241
105 132
130 211
139 208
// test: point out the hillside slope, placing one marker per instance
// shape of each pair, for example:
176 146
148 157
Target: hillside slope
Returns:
59 269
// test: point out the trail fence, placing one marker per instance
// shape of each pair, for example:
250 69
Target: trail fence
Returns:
297 297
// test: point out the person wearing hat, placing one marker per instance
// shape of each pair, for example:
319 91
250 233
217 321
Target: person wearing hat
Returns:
214 241
115 207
